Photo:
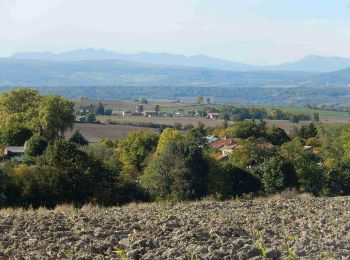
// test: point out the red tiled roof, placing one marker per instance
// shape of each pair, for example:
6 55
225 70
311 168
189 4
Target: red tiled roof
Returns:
224 142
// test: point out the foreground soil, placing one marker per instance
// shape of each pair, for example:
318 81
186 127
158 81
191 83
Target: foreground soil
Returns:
310 228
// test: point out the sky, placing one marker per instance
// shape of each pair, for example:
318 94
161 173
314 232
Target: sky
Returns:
251 31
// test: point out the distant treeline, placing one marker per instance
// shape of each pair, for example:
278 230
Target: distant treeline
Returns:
242 113
298 96
178 126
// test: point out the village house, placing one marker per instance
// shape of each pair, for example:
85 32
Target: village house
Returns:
150 113
16 152
225 146
213 115
80 118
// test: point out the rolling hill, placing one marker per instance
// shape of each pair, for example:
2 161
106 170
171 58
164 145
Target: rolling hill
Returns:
29 72
312 63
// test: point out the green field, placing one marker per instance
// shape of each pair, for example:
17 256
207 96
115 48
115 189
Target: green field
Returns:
328 117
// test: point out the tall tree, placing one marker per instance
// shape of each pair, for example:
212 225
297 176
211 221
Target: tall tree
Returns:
19 106
56 115
199 100
100 110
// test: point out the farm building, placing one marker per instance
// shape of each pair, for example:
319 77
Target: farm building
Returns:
213 115
16 152
150 113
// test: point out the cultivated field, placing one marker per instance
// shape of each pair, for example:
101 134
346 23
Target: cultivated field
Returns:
172 106
97 132
301 228
284 124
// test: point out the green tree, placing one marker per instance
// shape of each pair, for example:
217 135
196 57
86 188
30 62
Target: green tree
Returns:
251 153
91 118
316 117
82 176
157 109
295 119
237 182
36 146
307 165
167 136
199 100
144 101
277 174
56 115
78 138
108 112
277 136
198 134
247 129
15 135
134 150
179 172
100 110
19 107
4 179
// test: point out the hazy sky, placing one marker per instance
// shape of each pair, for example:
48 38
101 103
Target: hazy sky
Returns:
254 31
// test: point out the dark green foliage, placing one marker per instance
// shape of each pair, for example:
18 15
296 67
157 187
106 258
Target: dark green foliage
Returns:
91 118
108 112
247 129
144 101
277 136
100 109
157 109
308 131
3 186
277 174
36 146
243 113
78 138
316 117
178 173
197 134
16 135
238 182
338 182
294 119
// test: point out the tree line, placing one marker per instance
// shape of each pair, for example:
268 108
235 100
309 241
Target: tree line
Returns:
172 165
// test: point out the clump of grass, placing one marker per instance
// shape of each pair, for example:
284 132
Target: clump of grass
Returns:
262 248
121 252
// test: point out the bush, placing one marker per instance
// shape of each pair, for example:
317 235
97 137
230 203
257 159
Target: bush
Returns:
36 146
78 138
277 136
277 174
238 182
177 172
16 135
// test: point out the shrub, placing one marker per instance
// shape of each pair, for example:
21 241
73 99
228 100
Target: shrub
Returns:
16 135
36 146
177 172
78 138
238 182
277 174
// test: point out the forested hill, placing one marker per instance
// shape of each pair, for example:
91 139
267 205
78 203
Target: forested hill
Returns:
15 72
123 79
311 63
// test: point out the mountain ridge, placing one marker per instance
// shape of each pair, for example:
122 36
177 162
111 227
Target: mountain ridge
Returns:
311 63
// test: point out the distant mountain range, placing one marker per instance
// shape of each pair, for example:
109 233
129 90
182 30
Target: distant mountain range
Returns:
30 72
312 63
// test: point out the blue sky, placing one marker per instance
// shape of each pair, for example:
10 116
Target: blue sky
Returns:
253 31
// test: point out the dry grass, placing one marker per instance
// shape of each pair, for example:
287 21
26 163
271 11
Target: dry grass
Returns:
70 210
